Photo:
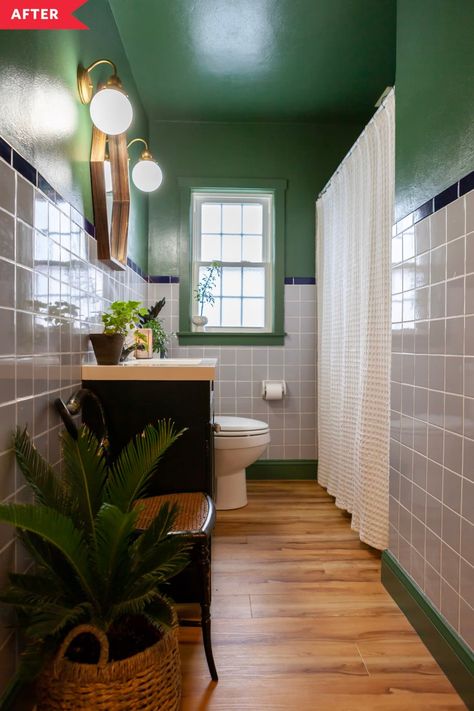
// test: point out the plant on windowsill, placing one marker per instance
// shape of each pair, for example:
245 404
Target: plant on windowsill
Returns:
119 321
204 294
150 320
97 627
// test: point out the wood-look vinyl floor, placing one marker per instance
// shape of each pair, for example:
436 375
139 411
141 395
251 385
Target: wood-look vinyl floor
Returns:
301 621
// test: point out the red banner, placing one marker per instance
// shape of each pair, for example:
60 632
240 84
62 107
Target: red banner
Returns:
40 15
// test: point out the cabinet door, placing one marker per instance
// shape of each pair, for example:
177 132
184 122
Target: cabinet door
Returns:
130 405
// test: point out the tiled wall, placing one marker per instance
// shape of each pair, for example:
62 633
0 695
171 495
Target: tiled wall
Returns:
432 445
241 371
52 290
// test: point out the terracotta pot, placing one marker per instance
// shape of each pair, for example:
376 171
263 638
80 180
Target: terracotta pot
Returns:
107 349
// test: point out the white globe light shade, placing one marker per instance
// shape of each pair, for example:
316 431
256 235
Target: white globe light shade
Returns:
111 111
147 175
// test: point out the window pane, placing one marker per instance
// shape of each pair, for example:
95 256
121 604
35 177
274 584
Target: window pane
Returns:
232 218
254 282
253 219
210 248
252 248
231 248
213 313
210 217
230 312
231 281
253 313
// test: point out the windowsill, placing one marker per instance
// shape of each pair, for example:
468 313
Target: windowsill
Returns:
202 338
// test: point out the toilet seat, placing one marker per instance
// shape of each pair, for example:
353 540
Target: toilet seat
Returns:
230 426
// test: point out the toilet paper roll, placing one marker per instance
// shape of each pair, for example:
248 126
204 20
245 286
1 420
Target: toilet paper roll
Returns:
273 391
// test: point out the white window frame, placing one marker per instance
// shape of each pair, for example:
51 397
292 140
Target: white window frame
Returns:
264 198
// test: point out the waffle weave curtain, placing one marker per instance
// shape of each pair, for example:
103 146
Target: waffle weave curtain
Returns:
354 227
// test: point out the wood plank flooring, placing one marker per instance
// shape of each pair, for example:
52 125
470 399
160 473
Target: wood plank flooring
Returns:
301 621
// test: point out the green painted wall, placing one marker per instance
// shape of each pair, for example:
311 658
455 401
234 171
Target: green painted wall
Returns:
41 115
435 98
304 154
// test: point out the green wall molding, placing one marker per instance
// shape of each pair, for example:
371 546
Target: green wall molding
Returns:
452 654
191 338
186 187
283 469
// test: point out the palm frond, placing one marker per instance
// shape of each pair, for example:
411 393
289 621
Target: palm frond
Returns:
164 559
160 612
85 473
51 563
157 530
114 530
134 605
51 620
56 529
47 486
30 591
137 462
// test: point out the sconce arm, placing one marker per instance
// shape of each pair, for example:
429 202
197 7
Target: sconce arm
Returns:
84 82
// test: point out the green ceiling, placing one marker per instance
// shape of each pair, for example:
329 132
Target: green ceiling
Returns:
259 60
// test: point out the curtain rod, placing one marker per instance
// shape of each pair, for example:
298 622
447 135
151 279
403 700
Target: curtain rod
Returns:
354 146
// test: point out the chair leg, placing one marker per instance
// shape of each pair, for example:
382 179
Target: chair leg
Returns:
206 638
205 564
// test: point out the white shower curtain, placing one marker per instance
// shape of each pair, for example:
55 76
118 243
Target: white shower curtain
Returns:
354 226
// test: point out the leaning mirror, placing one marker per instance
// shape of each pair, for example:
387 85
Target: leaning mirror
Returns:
110 197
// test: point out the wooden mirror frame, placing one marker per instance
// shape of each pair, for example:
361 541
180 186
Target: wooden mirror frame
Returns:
112 239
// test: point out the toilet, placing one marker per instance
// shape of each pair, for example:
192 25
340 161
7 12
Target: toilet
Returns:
238 443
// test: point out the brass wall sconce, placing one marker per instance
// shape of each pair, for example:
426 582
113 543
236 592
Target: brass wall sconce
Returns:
110 107
146 173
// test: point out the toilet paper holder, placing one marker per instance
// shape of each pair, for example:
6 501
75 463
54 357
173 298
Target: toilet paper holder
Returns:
266 383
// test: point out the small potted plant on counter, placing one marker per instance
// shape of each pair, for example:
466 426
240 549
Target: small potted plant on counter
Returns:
99 632
204 294
150 320
119 321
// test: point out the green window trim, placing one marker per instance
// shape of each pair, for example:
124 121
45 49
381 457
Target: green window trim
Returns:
186 187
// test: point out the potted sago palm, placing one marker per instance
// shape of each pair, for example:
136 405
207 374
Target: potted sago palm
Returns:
99 632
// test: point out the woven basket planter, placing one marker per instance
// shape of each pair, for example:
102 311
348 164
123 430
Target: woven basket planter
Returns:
147 681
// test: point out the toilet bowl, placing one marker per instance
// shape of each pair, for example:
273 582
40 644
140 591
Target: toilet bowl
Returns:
238 442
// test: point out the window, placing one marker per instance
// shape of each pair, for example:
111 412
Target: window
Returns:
239 222
235 229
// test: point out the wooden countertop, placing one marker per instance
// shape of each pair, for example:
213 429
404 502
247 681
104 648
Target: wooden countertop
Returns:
154 369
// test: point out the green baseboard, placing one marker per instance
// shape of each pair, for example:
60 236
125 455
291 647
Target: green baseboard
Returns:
283 469
452 654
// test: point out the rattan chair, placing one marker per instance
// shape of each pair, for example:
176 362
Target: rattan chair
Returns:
194 523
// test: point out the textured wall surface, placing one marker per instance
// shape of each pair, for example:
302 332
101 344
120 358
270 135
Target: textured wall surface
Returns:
303 154
435 98
432 445
43 119
241 370
52 291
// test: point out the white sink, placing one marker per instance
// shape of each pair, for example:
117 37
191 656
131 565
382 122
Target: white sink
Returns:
162 362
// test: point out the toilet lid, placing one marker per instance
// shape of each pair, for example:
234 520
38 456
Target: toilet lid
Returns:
238 425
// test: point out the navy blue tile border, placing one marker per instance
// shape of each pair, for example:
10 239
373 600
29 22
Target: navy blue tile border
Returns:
466 184
300 280
5 151
457 189
26 169
447 196
46 188
424 211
